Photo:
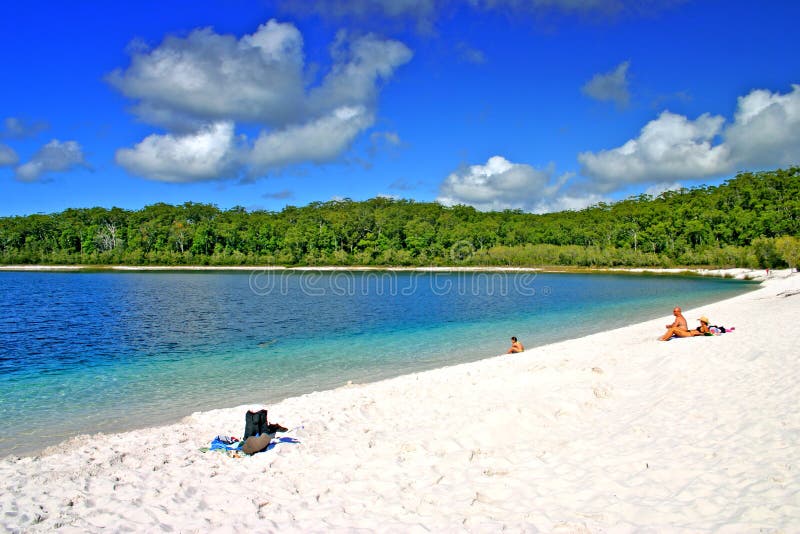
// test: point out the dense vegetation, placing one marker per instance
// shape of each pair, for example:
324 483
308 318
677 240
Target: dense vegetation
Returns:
752 220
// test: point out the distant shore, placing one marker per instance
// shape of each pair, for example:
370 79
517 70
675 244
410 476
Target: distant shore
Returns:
737 273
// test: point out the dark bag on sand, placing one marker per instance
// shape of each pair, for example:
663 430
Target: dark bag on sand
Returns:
258 432
255 423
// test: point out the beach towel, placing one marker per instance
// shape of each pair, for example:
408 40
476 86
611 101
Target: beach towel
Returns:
226 443
235 448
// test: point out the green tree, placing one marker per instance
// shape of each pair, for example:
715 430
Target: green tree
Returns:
788 247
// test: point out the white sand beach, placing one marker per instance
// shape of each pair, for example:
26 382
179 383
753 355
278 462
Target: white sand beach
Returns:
613 432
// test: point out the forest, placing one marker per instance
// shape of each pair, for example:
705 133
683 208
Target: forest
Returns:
751 220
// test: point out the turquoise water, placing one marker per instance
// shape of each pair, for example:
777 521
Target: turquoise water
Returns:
90 352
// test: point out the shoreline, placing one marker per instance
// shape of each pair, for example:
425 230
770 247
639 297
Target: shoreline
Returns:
145 417
609 431
738 273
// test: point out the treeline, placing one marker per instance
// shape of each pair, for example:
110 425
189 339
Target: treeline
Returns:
752 220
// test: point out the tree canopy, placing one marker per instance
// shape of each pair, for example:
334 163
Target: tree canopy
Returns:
752 220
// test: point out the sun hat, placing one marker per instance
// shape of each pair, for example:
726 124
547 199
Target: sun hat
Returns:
703 319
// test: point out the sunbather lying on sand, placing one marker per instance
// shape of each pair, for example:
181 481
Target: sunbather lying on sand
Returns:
703 329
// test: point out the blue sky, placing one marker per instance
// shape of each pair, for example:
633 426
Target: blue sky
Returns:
537 105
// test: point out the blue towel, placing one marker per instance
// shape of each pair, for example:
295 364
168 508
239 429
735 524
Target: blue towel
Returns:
225 443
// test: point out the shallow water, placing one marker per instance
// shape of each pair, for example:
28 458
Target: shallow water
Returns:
89 352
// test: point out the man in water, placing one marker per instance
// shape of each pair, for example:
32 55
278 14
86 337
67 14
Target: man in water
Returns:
516 346
677 328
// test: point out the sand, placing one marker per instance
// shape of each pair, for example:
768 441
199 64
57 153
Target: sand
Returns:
738 273
613 432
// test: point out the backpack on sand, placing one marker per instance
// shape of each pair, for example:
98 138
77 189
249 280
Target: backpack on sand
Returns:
255 423
258 432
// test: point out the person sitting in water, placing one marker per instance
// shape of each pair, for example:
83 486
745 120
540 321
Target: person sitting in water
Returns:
678 327
516 346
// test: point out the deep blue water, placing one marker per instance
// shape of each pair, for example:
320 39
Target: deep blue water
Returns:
89 352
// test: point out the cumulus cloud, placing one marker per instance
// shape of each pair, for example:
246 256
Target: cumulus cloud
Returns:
207 154
55 156
765 132
199 87
208 77
662 187
671 147
7 156
569 201
766 129
317 141
610 86
353 79
501 184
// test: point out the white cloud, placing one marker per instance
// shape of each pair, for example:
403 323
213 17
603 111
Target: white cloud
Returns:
670 147
766 129
353 79
318 141
7 156
765 133
610 86
55 156
193 85
501 184
208 77
563 202
204 155
661 187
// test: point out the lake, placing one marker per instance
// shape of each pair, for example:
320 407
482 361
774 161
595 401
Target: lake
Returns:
86 352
